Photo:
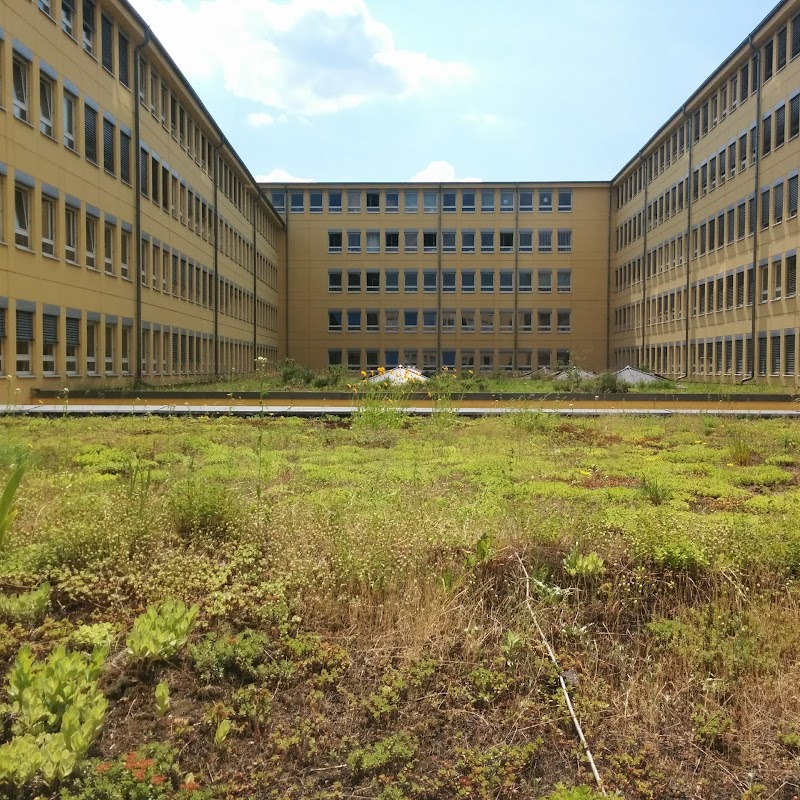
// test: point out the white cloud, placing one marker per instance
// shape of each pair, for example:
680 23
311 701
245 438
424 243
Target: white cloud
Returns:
303 57
261 120
484 119
440 172
282 176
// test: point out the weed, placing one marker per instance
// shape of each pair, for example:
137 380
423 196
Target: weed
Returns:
740 452
26 607
577 565
561 792
384 755
216 656
656 491
161 632
221 733
162 699
8 509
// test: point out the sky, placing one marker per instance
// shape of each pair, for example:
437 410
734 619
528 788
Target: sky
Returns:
445 90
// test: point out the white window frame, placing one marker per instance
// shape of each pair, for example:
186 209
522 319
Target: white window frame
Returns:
22 216
109 353
48 225
108 248
91 243
124 254
92 329
69 106
21 71
71 234
46 114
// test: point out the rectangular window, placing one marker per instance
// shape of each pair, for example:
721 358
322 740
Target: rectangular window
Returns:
564 321
565 241
48 226
487 200
487 241
373 241
71 235
429 319
429 280
373 280
392 241
544 321
296 202
467 321
467 241
392 281
91 241
506 280
506 200
777 195
545 241
46 106
21 73
525 280
108 249
88 26
125 157
411 202
123 59
545 200
107 42
468 200
526 241
334 241
545 283
792 210
353 241
108 146
429 241
91 348
526 200
780 126
90 133
315 202
22 216
506 241
24 341
794 116
334 320
766 135
392 202
110 341
68 17
69 121
410 240
565 199
564 278
467 281
125 258
487 280
430 202
410 319
448 281
410 281
448 241
449 201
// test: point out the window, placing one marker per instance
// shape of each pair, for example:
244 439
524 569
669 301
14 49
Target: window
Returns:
334 320
110 337
467 241
545 241
373 201
487 280
794 115
90 133
467 200
563 358
353 241
765 209
526 200
124 64
564 321
544 321
107 42
334 241
392 280
526 241
392 241
448 241
565 241
296 202
68 16
91 241
506 241
125 353
410 281
766 135
564 280
88 26
506 200
545 200
565 199
22 217
410 319
429 241
429 319
125 161
392 320
795 35
792 196
467 281
108 148
487 241
71 235
525 280
449 201
448 281
24 341
373 241
780 126
48 226
373 278
777 194
487 320
430 202
467 321
487 200
769 57
21 69
545 280
69 121
410 241
125 258
506 280
411 202
315 202
278 201
73 343
108 249
354 201
392 202
429 280
46 106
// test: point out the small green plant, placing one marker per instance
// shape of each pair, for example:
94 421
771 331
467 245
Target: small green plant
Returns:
482 551
561 792
385 755
221 733
740 452
216 656
203 511
8 509
161 632
162 699
512 645
711 728
487 685
578 565
26 607
57 712
656 491
100 634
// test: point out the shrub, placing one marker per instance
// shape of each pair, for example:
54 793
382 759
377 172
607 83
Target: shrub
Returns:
160 633
26 607
217 656
58 711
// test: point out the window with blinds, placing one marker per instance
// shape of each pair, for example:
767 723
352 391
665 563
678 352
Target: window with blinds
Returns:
108 146
90 133
107 42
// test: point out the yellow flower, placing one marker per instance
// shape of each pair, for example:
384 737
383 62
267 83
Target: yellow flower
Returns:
363 374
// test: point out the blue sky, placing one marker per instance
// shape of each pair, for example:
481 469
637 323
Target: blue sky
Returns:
395 90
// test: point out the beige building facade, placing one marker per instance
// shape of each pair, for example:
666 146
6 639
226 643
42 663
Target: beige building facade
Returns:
134 243
136 246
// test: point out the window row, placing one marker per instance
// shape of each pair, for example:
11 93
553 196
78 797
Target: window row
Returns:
734 91
431 241
412 320
374 280
430 361
354 201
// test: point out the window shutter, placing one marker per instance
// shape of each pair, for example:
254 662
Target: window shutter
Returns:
108 145
107 31
49 328
24 326
125 157
124 75
90 132
2 323
792 196
796 35
73 332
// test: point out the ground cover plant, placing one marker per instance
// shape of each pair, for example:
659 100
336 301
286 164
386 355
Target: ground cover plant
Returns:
284 608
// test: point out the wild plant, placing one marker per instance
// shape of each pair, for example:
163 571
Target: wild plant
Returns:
58 711
740 452
162 699
655 491
159 633
8 509
578 565
380 405
26 607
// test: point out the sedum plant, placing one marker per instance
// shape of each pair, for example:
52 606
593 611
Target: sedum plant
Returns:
161 632
26 607
57 712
